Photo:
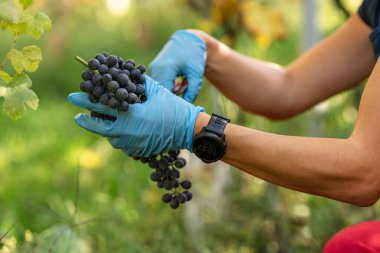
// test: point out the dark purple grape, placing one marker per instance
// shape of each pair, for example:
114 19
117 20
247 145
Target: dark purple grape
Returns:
141 68
174 203
114 103
186 184
121 94
122 79
139 89
135 74
86 86
153 164
168 185
103 69
124 71
174 183
181 197
120 61
132 98
160 184
131 61
166 198
97 79
114 72
180 163
124 106
112 61
103 99
93 64
131 87
141 80
87 75
106 54
101 58
106 79
129 66
92 98
175 173
98 91
113 86
154 177
188 194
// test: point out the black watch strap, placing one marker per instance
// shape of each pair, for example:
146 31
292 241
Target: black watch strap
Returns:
217 124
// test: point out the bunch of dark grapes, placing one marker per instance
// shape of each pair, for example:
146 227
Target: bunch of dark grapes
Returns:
114 82
167 174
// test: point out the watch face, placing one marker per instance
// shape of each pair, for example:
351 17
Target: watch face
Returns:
208 148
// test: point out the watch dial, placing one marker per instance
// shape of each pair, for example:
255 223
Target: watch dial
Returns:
208 148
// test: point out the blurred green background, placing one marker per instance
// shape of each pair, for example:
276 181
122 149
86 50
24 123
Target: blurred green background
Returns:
45 154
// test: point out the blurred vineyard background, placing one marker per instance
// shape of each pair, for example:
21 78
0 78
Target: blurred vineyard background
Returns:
63 189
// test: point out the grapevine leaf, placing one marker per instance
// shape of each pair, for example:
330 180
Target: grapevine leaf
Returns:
32 57
37 25
8 10
16 28
26 3
21 80
29 59
16 101
16 59
5 76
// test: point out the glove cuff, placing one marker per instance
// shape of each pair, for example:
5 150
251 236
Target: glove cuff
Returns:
190 127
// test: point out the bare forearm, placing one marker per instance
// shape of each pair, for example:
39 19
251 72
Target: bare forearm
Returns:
333 168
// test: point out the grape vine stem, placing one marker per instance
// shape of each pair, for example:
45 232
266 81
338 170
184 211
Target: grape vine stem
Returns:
81 61
12 47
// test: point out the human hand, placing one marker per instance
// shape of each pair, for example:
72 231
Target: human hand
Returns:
163 122
184 54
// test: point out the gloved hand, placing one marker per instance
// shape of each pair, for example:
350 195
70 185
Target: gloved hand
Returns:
164 122
184 54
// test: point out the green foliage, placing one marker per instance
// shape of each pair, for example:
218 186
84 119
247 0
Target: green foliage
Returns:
15 91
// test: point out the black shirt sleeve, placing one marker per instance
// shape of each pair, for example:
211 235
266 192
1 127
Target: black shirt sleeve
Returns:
367 12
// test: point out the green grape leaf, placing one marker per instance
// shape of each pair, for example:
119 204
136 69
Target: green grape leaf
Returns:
16 28
32 58
16 59
8 10
29 59
26 3
5 76
21 80
37 25
16 101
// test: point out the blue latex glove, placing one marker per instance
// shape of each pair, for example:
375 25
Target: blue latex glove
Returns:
184 54
164 122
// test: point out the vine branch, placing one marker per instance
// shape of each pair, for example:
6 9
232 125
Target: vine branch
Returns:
15 38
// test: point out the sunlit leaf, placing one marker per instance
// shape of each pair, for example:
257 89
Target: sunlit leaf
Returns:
29 59
39 24
5 76
32 57
16 59
21 80
16 101
8 10
4 91
26 3
16 28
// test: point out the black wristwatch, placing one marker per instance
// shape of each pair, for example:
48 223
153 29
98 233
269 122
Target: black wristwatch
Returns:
209 144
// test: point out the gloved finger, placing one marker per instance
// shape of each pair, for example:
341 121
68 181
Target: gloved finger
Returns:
81 100
95 125
165 76
193 88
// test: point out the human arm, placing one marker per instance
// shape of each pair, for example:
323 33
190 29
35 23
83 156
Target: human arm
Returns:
347 170
337 63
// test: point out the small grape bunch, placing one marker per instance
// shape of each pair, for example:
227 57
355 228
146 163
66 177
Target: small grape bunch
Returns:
167 174
113 82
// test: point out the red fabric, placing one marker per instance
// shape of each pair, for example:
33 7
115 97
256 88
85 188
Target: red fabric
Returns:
359 238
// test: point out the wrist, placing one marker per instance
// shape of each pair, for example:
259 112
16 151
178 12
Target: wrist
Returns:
212 47
200 122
